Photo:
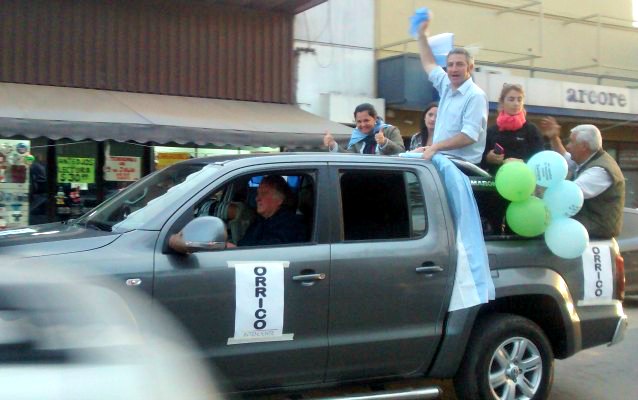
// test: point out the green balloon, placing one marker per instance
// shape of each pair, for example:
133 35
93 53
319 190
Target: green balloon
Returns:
527 218
515 181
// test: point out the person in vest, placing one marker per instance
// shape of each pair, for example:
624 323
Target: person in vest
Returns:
371 135
596 173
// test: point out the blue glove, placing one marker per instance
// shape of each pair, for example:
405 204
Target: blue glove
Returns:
420 15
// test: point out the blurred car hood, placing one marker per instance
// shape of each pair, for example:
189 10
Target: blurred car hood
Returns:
55 238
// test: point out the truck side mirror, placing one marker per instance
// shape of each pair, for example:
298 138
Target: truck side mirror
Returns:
205 234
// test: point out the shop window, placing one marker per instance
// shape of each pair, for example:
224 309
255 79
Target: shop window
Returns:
627 156
15 163
123 165
39 182
76 185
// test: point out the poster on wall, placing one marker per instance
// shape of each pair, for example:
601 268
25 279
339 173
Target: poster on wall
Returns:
122 168
163 160
76 170
15 159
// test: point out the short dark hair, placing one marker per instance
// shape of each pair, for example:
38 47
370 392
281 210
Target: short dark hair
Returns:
460 50
365 107
279 185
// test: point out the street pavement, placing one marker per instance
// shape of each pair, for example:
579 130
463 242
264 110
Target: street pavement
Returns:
599 373
602 372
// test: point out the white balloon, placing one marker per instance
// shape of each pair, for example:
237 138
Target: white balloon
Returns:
549 167
566 237
563 199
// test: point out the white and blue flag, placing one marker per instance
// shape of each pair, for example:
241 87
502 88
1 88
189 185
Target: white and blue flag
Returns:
473 282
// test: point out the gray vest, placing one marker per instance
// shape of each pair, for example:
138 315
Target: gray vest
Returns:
602 215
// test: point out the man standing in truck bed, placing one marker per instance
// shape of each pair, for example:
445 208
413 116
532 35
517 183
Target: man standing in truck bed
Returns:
461 123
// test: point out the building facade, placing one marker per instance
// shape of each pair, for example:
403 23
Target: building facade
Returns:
572 57
95 94
336 62
575 59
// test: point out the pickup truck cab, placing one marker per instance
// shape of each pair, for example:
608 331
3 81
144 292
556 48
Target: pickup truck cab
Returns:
364 298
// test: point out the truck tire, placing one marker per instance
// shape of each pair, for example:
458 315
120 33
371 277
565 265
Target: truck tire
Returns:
507 357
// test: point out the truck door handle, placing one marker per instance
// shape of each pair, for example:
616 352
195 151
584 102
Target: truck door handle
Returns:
429 269
309 277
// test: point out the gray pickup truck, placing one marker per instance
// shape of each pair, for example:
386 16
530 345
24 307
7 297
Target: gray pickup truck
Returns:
364 298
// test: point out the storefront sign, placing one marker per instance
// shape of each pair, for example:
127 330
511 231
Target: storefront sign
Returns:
596 97
76 169
122 169
166 159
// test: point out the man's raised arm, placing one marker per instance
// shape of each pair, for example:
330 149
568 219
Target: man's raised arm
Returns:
427 58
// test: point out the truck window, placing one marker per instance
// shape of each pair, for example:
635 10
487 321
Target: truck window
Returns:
147 199
235 203
382 205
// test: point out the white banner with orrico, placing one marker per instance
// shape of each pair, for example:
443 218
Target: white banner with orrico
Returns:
259 301
598 277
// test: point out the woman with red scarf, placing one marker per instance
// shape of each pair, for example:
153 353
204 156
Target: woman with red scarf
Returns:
512 136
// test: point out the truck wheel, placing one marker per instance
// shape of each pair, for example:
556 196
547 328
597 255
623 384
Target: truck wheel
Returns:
507 357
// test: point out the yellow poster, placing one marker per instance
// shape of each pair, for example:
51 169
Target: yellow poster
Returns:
166 159
76 170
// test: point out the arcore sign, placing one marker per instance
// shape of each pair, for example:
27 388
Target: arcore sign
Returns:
595 97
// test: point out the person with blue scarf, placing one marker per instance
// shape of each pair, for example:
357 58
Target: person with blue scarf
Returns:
371 136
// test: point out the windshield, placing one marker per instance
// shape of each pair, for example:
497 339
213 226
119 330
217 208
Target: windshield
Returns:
148 198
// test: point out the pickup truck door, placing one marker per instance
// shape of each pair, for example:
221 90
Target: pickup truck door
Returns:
391 276
200 289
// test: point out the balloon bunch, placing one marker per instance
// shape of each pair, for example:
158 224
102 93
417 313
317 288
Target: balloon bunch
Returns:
529 216
526 215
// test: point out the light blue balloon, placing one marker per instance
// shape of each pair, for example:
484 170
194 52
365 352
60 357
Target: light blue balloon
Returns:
549 167
563 199
566 237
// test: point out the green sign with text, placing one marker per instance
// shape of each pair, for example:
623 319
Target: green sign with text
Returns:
76 170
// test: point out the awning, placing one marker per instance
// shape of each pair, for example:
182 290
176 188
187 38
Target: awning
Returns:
78 114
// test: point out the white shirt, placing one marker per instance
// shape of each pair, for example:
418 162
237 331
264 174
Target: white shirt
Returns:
593 181
463 110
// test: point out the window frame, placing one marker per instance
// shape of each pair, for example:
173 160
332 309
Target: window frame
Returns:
186 213
336 173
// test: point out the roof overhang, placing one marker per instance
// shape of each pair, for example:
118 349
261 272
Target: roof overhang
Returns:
78 114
